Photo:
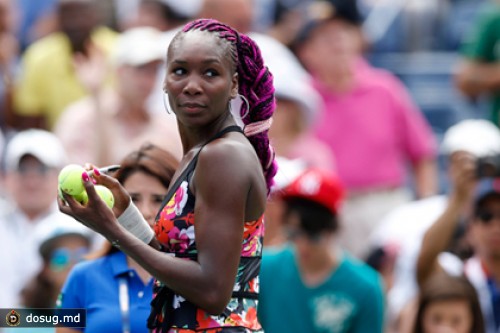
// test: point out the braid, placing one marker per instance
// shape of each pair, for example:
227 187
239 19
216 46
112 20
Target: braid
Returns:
255 82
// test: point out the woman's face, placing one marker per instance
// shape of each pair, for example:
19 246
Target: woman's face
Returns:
147 193
447 316
200 80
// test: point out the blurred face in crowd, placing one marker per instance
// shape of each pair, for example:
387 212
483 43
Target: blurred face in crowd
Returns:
330 46
137 82
77 19
311 249
33 186
147 193
235 13
485 229
67 251
150 14
447 316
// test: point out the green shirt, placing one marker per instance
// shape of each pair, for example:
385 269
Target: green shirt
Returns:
482 44
349 301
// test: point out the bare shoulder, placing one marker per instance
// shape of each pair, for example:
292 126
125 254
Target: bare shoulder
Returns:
230 155
230 168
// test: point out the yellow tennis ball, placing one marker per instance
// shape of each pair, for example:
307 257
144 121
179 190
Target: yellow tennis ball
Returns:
106 195
82 198
70 179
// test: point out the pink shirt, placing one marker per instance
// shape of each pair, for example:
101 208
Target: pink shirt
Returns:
374 130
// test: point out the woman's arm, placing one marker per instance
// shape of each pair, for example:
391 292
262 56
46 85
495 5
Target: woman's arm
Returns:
221 196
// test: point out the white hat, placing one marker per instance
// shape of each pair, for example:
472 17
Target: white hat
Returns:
291 81
139 46
57 225
297 90
476 136
186 8
43 145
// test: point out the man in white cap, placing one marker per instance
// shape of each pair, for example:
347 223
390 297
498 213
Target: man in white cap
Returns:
105 126
32 162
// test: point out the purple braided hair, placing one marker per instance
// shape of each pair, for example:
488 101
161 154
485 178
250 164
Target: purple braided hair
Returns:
255 83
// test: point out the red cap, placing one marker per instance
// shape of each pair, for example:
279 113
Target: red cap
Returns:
319 186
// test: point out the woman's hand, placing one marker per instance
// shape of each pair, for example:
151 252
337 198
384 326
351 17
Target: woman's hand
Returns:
95 214
122 198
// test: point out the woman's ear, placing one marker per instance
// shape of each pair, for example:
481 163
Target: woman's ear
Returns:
235 87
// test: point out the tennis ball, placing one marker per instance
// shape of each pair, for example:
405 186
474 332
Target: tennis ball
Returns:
82 198
70 179
105 194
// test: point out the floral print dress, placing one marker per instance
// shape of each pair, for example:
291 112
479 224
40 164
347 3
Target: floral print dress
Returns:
174 229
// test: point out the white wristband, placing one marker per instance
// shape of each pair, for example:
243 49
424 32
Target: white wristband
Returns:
132 220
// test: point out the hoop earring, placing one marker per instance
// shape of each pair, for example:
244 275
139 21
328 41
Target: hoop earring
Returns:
165 104
244 99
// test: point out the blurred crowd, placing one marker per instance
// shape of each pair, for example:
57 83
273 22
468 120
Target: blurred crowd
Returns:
385 215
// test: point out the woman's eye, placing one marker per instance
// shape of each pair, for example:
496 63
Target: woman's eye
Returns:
211 73
179 71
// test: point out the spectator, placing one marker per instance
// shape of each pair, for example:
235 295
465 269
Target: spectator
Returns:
63 242
479 72
403 228
96 284
310 285
479 204
368 120
32 161
48 82
448 304
104 126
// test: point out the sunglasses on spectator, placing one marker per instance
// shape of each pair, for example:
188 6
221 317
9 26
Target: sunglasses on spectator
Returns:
486 217
61 258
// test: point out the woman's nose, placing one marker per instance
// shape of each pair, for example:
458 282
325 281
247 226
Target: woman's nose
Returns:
192 86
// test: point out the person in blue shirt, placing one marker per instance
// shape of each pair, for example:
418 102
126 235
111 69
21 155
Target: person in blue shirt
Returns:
309 285
115 290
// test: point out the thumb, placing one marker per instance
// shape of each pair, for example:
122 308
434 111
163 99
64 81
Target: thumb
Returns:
122 198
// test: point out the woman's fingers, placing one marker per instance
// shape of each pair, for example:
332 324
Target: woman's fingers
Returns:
122 199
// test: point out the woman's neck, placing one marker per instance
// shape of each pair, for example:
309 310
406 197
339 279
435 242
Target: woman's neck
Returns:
196 137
